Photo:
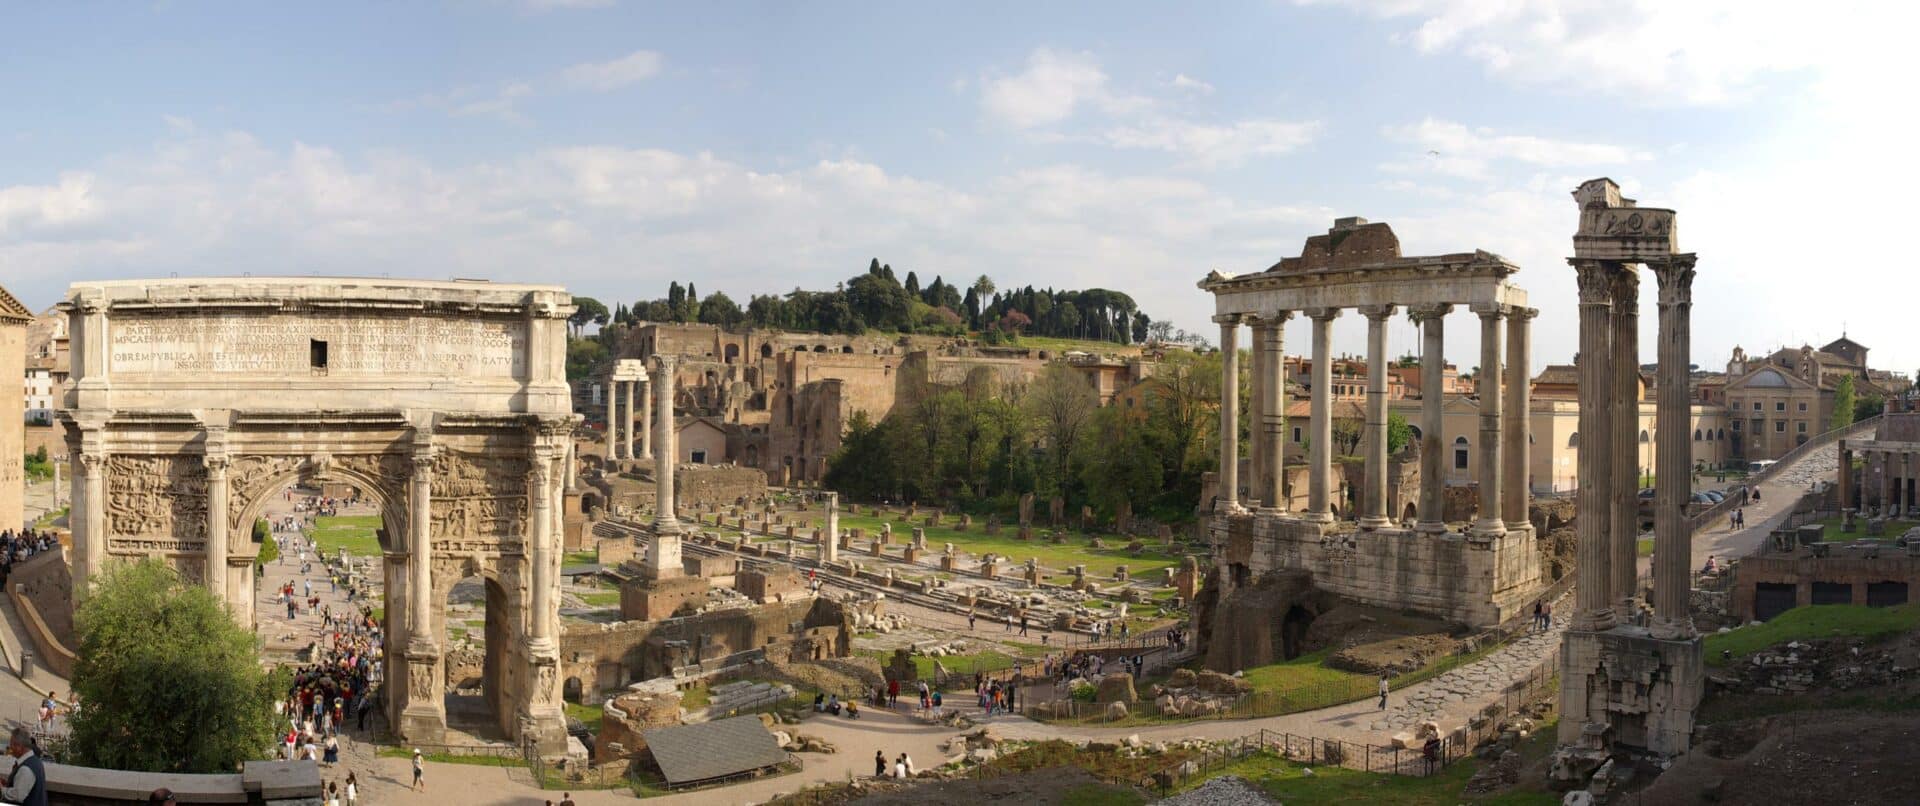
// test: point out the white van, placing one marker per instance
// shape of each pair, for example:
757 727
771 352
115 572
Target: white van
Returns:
1755 467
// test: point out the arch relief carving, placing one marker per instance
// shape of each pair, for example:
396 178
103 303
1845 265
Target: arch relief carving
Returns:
255 476
479 502
156 503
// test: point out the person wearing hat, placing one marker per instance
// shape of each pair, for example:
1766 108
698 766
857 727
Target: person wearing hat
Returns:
160 796
419 771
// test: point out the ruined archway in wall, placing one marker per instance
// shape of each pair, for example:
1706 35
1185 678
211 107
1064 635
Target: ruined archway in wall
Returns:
195 401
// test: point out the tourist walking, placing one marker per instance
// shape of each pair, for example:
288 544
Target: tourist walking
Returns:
353 789
879 764
27 783
419 772
1383 692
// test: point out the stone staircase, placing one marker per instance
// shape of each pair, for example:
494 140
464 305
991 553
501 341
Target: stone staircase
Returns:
740 696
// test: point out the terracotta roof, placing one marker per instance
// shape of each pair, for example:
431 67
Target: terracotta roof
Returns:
1559 374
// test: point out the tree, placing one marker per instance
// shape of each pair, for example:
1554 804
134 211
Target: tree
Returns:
587 310
1060 401
719 309
1869 406
1346 435
1844 401
582 355
269 548
167 681
1398 432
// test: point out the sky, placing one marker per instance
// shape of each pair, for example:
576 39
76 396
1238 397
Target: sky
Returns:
614 146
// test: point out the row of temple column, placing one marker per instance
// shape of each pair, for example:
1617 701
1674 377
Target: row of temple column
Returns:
1505 399
620 431
1895 466
1608 526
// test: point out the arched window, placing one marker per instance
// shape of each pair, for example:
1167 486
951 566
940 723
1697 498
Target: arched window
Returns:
1644 439
1696 435
1723 433
1573 440
1459 453
766 351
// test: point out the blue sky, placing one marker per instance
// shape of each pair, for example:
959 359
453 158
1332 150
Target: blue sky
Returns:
750 148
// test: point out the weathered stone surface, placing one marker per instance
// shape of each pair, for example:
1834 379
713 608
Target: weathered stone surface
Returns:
1116 687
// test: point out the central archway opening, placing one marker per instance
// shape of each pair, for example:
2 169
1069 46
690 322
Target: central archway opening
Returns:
478 638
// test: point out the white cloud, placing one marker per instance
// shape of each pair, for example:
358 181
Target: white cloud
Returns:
1184 82
1215 145
1655 51
632 68
1047 91
500 102
1454 149
1043 99
618 223
552 5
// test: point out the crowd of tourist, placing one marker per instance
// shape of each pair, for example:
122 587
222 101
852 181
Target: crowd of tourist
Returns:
16 547
338 687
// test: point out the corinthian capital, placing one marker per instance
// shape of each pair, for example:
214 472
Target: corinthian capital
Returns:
1596 282
1422 314
1676 279
1377 312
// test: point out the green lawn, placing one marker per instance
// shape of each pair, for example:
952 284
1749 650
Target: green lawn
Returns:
695 696
1287 781
988 660
601 598
1076 551
1643 547
1813 621
1895 528
588 714
355 532
582 558
1306 670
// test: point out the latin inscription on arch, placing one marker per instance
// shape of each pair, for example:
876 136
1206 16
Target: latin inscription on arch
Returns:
227 343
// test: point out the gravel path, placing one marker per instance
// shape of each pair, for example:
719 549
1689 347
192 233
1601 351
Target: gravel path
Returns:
1227 790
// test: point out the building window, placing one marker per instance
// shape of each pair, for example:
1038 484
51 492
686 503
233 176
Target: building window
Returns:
317 354
1296 433
1696 435
1756 405
1801 426
699 457
1459 453
1780 426
1736 426
1780 405
1803 407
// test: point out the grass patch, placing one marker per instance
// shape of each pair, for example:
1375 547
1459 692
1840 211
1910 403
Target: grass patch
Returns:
1306 670
1101 795
582 558
986 660
1895 528
1287 781
1811 622
695 696
1643 547
590 715
449 758
601 598
355 533
1100 562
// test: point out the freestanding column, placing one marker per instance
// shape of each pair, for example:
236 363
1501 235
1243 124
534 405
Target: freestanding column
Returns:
1900 493
646 418
627 419
665 521
1672 537
1373 513
1433 363
1257 415
1595 587
1320 443
1624 497
1846 476
1490 523
1515 485
830 543
1228 492
217 490
613 418
1886 484
1273 412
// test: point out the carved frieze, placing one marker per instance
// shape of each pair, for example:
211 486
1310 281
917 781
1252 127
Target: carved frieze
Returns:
156 497
251 477
480 497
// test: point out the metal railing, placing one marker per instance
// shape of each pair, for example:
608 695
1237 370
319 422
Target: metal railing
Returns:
1707 516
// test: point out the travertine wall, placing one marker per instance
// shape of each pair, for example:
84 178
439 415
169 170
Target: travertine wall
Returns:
13 413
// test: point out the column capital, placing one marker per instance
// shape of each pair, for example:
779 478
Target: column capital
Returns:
1491 312
1676 280
1228 319
1521 313
1596 282
1275 318
1626 284
1378 312
1321 314
1427 313
423 461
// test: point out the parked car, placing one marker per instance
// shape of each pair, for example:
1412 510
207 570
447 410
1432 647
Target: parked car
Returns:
1716 495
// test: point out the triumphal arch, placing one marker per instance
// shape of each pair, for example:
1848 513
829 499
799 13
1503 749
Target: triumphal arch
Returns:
192 401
